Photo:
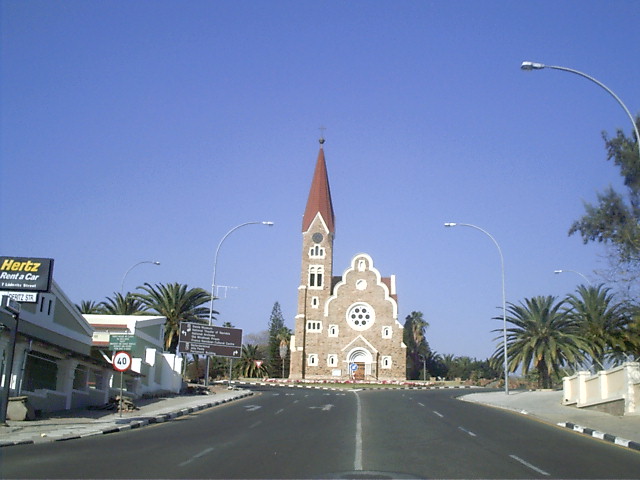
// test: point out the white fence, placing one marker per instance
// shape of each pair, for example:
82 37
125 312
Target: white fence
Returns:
615 391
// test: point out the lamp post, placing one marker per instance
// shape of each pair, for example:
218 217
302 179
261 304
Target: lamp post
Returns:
131 268
528 66
213 281
573 271
504 299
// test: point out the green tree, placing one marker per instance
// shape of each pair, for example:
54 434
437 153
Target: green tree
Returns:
614 220
276 324
247 364
435 365
415 339
89 306
543 336
448 361
601 322
178 303
284 350
123 305
632 335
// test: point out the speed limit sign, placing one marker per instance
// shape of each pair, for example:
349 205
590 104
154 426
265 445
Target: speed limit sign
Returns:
122 361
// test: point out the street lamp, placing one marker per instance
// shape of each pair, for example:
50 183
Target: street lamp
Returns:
213 281
573 271
504 299
528 66
131 268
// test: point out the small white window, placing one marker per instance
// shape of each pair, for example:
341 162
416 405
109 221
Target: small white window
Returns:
316 252
386 332
333 330
315 276
314 326
332 360
386 362
315 302
312 360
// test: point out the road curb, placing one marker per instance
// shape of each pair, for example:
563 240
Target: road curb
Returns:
165 417
623 442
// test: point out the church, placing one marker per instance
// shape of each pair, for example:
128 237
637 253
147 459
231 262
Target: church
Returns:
347 325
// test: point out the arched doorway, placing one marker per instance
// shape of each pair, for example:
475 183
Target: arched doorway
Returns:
359 361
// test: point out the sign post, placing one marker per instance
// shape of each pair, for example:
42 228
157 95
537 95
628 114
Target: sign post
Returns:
122 363
13 308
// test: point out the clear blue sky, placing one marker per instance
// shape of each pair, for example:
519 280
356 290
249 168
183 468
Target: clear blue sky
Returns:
146 130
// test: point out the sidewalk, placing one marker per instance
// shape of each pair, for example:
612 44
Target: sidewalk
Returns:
547 406
68 425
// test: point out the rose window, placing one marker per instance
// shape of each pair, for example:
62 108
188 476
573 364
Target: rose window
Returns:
361 316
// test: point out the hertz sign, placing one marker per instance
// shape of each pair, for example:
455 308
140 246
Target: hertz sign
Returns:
26 274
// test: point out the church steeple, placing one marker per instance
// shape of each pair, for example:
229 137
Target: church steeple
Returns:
319 200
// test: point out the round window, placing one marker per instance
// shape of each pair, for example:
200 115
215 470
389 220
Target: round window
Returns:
361 316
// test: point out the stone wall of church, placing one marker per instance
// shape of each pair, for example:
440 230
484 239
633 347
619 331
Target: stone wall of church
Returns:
357 325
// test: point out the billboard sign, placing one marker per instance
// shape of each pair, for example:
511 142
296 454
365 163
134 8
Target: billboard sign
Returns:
201 339
26 274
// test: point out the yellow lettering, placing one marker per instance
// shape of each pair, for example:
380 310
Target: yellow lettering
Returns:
12 265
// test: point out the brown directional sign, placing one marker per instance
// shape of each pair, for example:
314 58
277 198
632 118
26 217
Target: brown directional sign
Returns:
200 339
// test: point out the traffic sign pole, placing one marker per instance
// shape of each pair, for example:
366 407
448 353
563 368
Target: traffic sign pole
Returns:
121 362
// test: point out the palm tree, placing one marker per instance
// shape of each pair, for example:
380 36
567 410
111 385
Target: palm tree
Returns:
416 341
631 336
178 303
122 305
247 364
89 306
283 337
543 336
601 321
449 362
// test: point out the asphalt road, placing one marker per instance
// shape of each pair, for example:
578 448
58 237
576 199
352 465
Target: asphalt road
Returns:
332 434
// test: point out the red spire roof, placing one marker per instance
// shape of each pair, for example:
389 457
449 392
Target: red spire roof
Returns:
319 197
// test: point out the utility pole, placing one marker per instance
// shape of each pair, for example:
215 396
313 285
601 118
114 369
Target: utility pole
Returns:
11 310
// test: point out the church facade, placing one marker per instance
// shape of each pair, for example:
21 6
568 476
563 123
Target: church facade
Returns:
346 325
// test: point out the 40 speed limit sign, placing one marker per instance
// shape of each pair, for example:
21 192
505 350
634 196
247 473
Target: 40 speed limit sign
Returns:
122 361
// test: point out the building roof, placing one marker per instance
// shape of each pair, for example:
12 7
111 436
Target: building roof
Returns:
319 196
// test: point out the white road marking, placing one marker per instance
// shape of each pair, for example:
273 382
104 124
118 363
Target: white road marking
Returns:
252 408
467 432
357 463
527 464
421 404
197 455
255 424
279 411
325 408
438 414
